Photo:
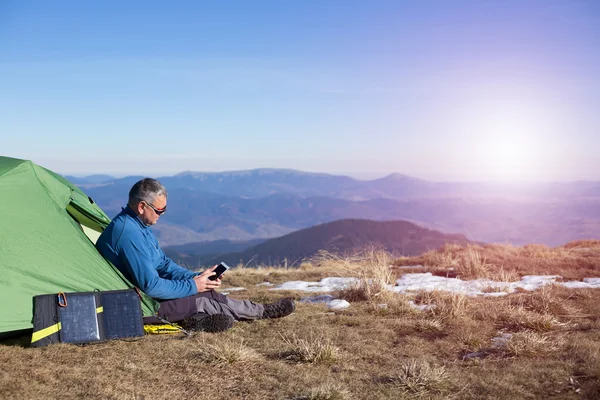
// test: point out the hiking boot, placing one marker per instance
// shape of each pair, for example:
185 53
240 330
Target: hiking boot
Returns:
207 323
279 309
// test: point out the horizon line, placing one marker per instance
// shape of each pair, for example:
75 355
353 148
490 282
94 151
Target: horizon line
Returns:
351 175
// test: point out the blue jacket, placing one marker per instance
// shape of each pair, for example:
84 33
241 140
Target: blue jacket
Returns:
133 249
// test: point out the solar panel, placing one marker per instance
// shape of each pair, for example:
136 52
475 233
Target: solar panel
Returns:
122 315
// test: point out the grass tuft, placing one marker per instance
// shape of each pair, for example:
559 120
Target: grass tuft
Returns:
546 300
419 377
429 326
473 265
529 344
372 280
369 257
314 350
443 305
517 318
504 275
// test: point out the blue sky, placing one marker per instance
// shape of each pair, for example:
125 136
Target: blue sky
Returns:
441 90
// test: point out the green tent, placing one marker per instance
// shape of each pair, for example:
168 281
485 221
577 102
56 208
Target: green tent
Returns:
47 232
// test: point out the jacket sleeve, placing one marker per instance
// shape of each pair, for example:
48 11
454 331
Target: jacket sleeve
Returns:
139 264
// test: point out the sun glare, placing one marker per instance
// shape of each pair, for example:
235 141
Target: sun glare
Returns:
509 144
509 153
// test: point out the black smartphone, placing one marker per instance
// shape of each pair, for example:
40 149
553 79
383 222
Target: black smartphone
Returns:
220 270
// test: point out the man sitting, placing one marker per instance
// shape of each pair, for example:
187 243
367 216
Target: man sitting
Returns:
190 297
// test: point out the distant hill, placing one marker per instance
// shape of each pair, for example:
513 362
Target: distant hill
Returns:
593 191
193 255
90 179
343 236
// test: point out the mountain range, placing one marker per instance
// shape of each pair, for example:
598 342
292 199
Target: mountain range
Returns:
262 182
268 203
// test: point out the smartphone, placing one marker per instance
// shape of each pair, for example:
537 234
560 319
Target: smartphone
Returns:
220 270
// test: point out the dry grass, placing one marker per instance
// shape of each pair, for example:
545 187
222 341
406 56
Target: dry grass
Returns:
585 352
446 351
418 378
370 257
517 318
545 300
503 275
229 351
371 284
392 304
530 344
471 335
575 260
371 268
313 350
443 305
330 391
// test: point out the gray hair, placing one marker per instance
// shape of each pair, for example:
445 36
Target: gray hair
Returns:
147 190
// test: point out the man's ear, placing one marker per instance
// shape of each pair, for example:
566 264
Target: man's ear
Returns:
140 208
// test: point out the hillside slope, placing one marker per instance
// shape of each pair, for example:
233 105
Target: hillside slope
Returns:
343 236
193 255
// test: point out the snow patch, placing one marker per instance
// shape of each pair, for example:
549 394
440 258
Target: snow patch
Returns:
331 302
429 282
324 285
231 289
337 304
411 267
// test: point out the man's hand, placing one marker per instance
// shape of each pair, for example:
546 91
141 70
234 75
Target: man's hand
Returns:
203 284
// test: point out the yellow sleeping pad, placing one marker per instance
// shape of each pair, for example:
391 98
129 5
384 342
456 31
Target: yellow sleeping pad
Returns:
162 329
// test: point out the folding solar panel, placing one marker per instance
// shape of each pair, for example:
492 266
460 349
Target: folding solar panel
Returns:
86 317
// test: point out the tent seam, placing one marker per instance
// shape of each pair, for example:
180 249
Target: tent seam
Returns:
46 189
8 170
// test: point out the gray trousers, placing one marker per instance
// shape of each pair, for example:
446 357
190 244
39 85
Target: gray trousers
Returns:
206 303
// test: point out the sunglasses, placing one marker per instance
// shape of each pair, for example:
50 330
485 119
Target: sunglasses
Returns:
158 211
